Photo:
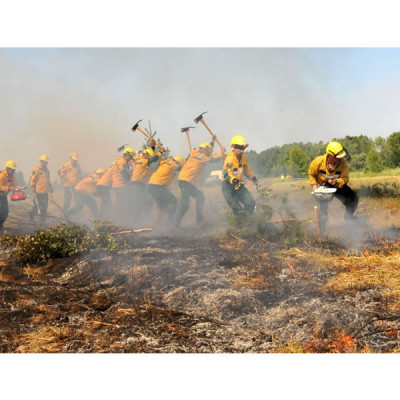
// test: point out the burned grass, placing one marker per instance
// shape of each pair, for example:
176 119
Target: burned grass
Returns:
198 294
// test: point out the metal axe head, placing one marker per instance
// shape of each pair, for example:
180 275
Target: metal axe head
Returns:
134 127
122 147
199 118
183 130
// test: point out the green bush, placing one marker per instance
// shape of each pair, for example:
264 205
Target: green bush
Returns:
62 241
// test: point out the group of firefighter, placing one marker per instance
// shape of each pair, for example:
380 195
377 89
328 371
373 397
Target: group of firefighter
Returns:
136 185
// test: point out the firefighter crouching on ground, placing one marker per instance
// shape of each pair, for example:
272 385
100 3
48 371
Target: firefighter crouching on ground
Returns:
236 165
84 191
190 174
158 186
141 200
71 173
332 170
8 184
41 186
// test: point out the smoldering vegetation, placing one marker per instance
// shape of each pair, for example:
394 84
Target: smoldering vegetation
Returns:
264 284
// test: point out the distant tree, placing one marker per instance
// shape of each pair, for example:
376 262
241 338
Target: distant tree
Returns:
254 161
391 150
298 162
358 161
374 161
379 142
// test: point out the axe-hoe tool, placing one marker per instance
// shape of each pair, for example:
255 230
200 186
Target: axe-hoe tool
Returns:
200 118
186 131
136 126
122 147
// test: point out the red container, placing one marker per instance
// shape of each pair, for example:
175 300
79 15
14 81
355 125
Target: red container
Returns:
17 196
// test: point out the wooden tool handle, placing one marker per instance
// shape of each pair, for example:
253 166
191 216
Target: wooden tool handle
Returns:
188 138
212 134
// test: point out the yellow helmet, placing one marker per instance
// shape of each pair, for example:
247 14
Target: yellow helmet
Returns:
179 160
11 164
206 145
100 171
239 141
130 151
74 156
336 150
43 157
149 151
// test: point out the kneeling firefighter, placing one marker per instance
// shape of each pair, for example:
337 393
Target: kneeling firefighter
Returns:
332 170
236 165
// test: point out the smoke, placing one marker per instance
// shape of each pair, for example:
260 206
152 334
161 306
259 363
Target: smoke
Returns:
57 101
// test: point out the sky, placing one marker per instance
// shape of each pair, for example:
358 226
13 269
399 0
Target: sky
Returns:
57 100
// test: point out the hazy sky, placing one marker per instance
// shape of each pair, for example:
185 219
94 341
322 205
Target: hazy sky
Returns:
60 100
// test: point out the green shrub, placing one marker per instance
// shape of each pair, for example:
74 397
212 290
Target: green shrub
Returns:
62 241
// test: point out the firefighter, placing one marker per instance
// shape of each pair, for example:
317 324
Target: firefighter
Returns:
332 170
190 174
8 184
84 190
103 191
121 170
141 201
235 166
71 173
158 186
41 187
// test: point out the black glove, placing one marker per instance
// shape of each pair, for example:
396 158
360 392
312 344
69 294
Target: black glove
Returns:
255 181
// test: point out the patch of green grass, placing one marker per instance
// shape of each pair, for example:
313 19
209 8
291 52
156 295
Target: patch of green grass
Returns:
62 241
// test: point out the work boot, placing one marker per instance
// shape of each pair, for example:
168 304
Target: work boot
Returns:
322 228
348 216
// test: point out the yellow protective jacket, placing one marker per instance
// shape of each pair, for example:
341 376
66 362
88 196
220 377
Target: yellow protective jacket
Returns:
88 185
319 172
40 179
120 171
106 179
235 168
6 181
165 172
141 171
195 164
71 174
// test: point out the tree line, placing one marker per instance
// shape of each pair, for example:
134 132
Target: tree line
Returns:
368 155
